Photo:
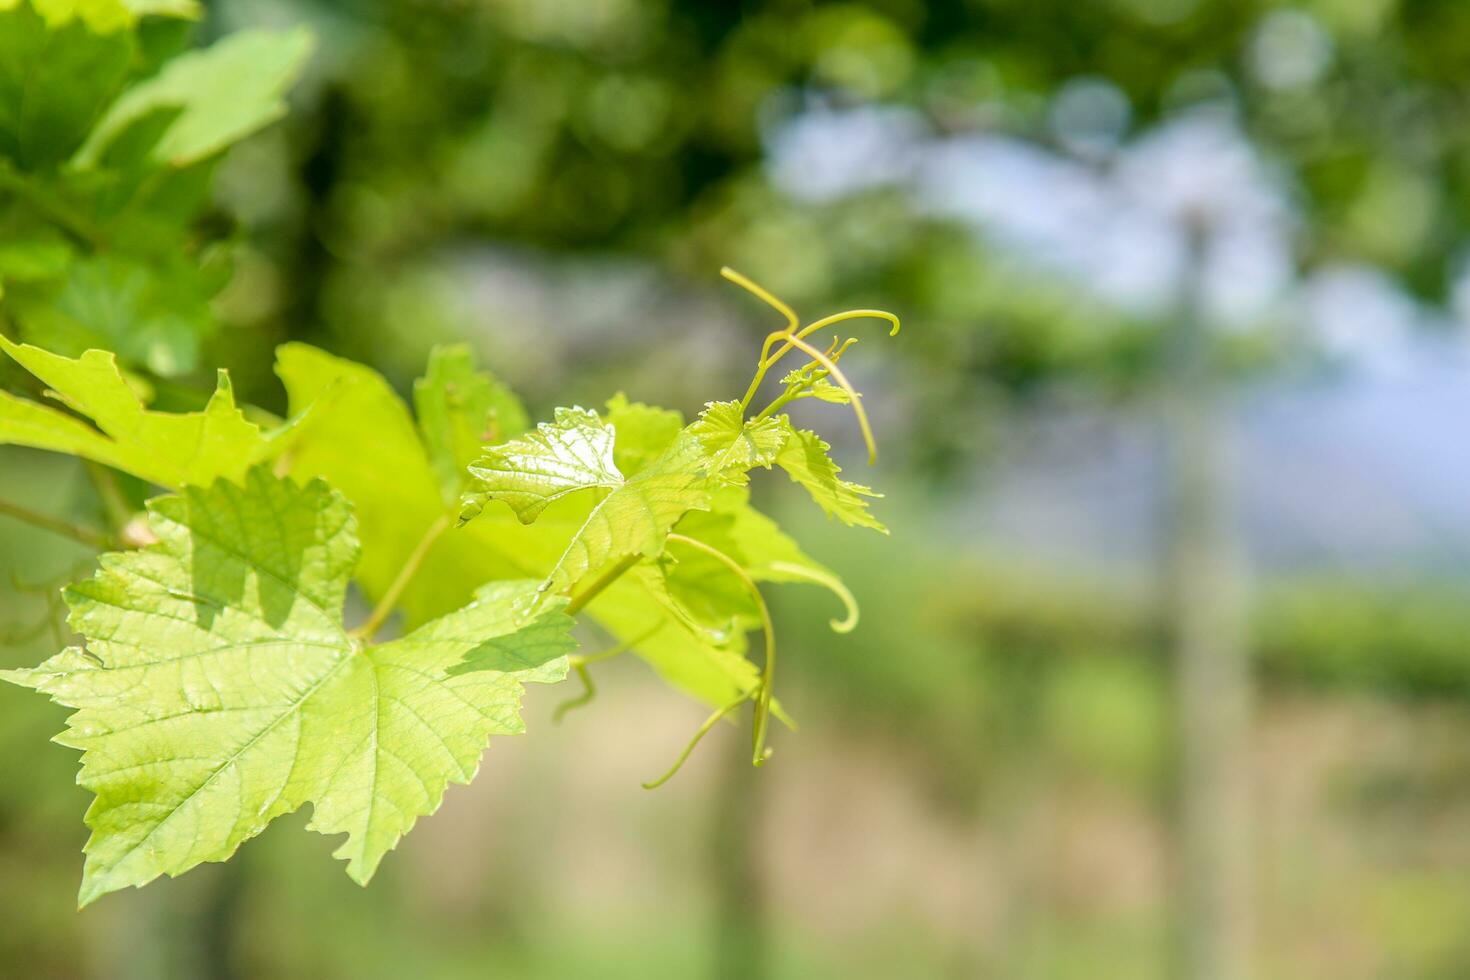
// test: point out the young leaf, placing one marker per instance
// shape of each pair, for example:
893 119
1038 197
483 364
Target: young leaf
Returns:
644 432
171 450
805 459
220 690
459 410
573 452
702 594
356 430
700 591
635 518
735 446
715 674
211 98
819 387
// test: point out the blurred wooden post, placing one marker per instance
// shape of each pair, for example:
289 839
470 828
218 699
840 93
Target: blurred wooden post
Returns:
1205 618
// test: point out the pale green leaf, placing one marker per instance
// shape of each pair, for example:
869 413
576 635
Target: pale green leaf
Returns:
644 432
358 435
805 459
816 386
571 453
701 593
767 553
356 429
211 98
635 518
714 673
219 689
461 409
171 450
735 445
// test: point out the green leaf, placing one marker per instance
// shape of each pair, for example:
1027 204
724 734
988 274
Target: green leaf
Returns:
219 689
104 15
816 387
805 459
702 593
154 314
356 429
735 446
171 450
358 435
459 410
573 452
714 673
60 63
209 98
766 552
644 432
635 518
30 254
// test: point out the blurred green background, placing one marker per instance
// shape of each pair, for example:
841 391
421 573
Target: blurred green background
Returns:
1163 671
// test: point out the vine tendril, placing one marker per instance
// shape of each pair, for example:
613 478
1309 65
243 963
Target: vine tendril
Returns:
699 735
793 338
579 663
762 693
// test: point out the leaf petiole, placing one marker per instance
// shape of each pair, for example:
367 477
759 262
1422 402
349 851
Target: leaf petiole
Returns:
390 598
607 578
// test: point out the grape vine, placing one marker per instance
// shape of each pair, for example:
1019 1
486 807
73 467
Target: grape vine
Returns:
215 681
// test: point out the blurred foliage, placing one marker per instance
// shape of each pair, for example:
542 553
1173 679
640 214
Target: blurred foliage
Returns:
109 133
640 128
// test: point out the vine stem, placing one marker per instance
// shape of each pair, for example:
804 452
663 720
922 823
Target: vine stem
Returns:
386 604
768 672
580 600
784 399
83 535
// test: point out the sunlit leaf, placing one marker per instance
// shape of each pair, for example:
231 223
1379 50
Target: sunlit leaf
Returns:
171 450
219 688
